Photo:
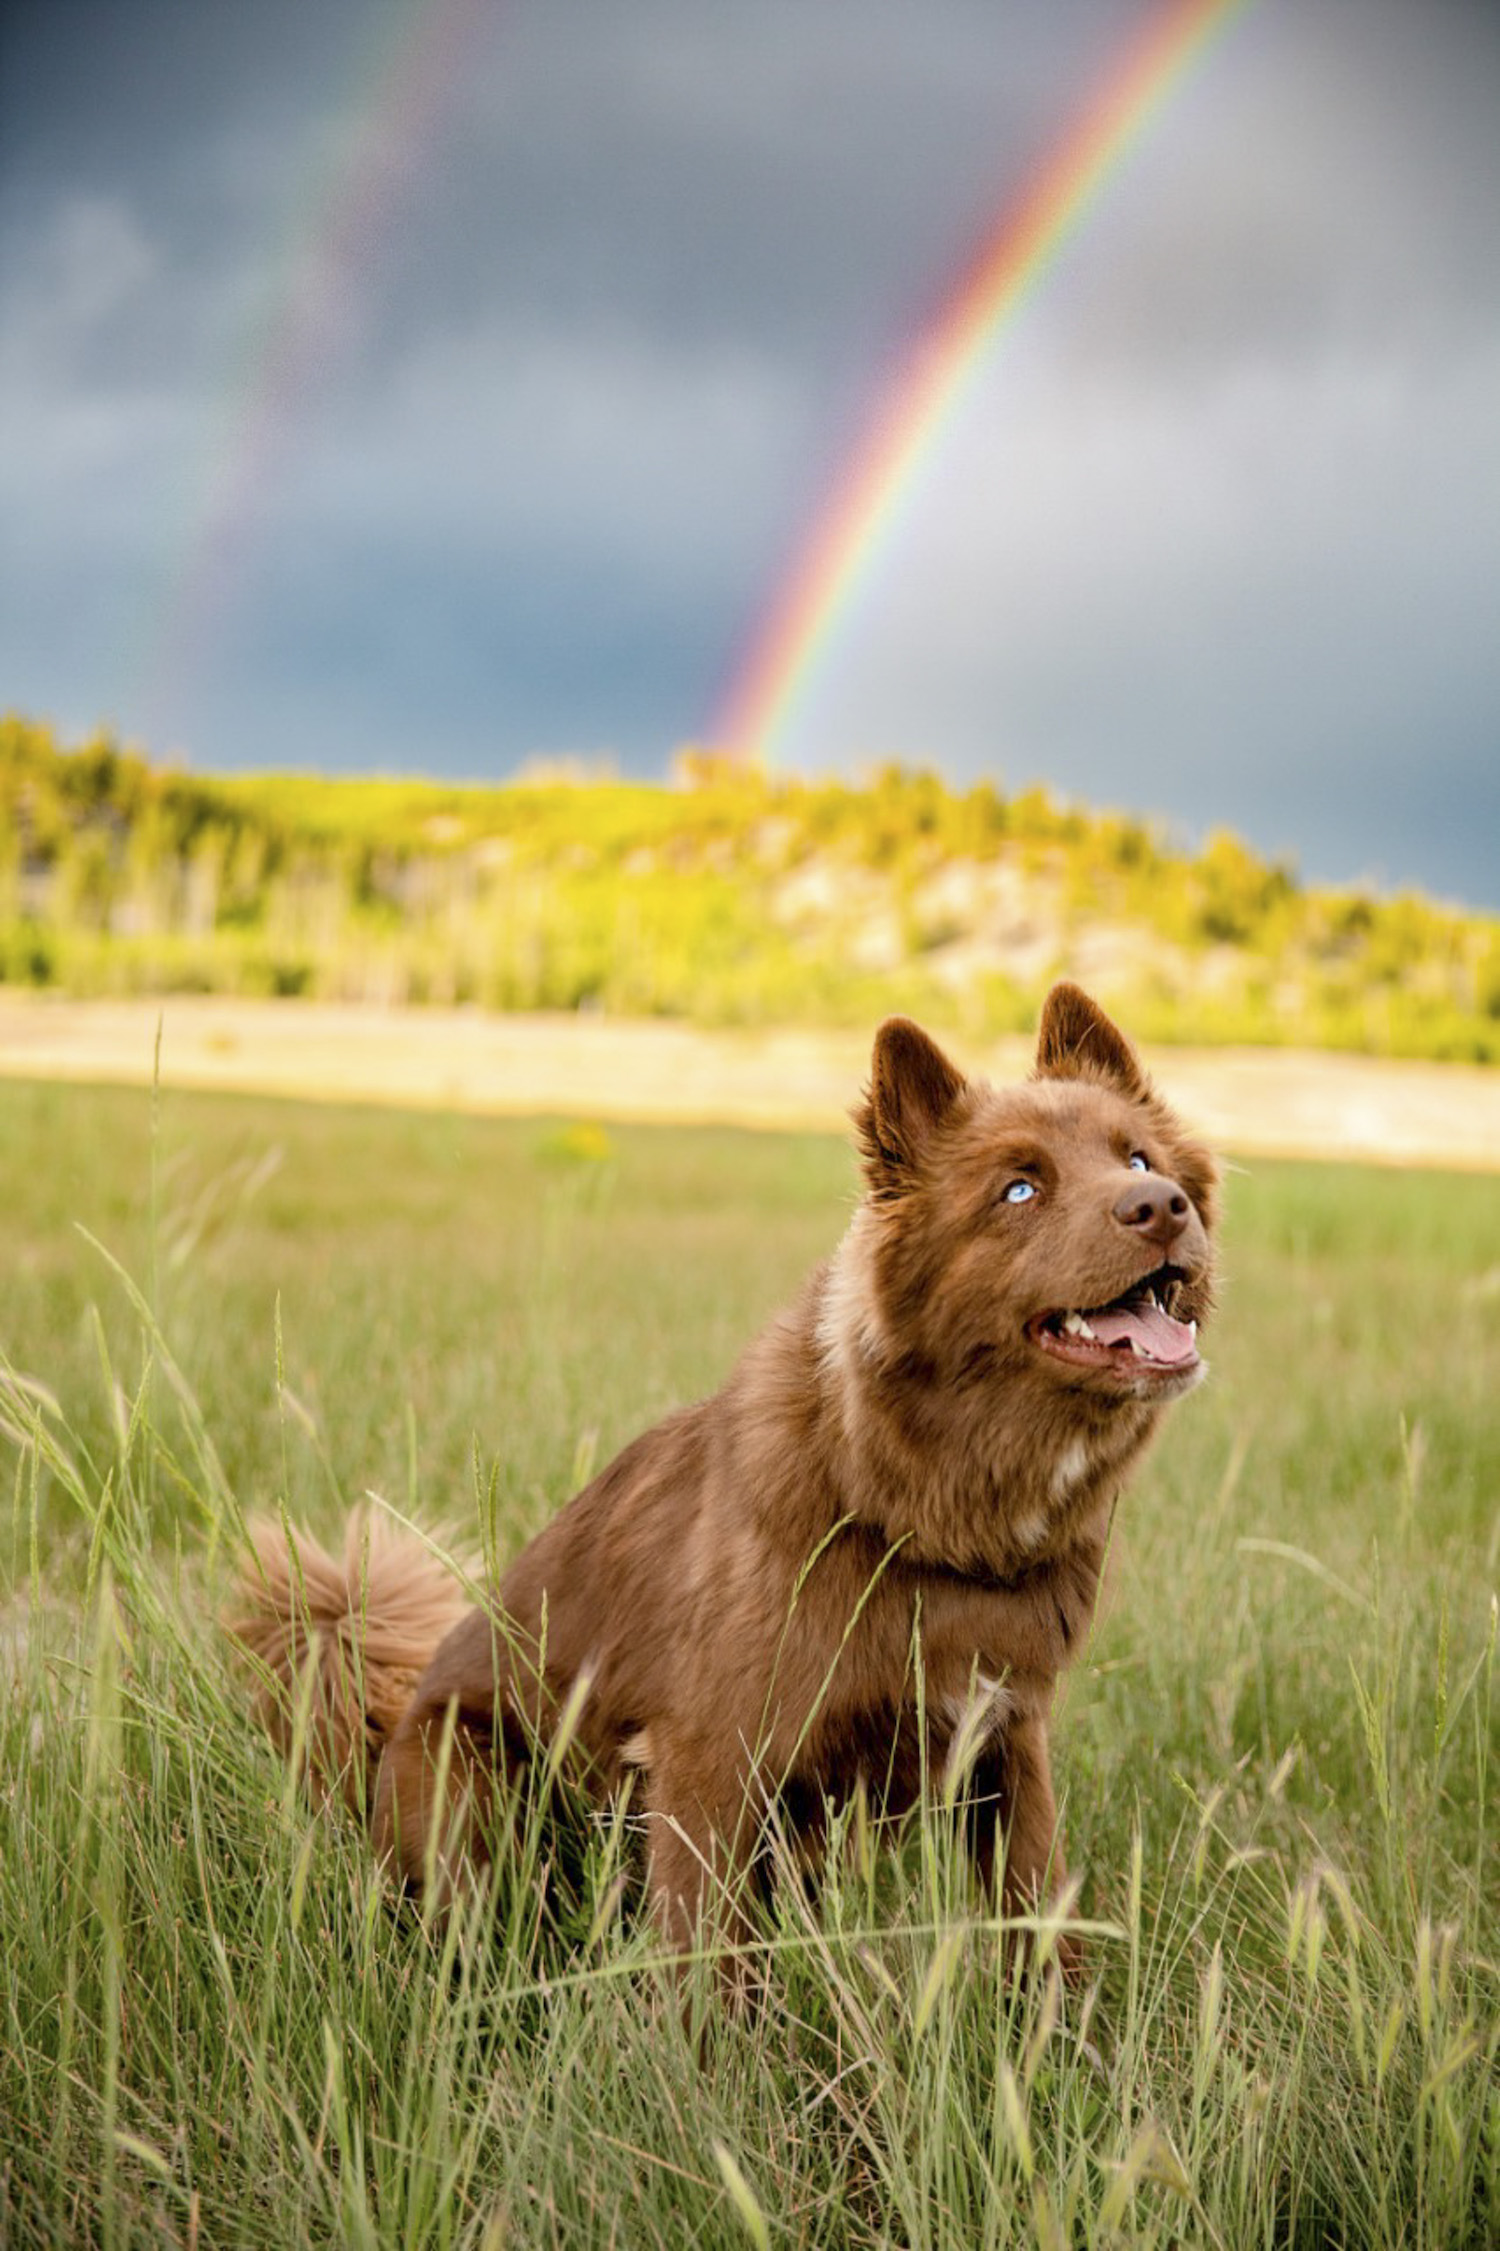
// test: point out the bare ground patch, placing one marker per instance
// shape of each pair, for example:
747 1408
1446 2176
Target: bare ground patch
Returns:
1260 1101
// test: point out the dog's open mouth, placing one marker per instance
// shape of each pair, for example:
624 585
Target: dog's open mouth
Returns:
1137 1331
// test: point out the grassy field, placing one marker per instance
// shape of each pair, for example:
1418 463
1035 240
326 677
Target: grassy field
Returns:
1278 1757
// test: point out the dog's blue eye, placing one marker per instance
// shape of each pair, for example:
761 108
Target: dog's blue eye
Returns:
1138 1163
1020 1192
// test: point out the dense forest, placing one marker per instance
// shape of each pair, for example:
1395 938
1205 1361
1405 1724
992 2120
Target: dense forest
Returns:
728 895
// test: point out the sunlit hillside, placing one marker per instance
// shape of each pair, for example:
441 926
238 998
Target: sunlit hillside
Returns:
728 896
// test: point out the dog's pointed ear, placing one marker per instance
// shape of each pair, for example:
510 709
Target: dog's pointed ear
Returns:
913 1087
1077 1041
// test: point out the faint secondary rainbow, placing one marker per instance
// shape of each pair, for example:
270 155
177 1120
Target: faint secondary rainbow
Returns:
388 123
856 522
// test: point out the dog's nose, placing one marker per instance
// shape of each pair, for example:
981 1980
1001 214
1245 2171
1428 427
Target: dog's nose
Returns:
1158 1208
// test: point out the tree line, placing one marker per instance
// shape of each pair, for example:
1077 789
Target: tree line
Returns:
724 895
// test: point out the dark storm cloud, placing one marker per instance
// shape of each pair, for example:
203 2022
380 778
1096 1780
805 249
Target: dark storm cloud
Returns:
778 176
507 462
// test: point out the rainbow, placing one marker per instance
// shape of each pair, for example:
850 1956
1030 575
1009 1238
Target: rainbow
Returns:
406 76
857 521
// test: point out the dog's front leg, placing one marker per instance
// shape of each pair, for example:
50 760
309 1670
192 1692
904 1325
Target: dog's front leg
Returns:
1013 1821
698 1843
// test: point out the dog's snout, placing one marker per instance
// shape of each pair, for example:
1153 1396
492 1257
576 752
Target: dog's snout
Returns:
1157 1208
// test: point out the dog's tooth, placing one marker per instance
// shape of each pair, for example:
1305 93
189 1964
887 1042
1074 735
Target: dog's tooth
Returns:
1193 1331
1073 1324
1151 1298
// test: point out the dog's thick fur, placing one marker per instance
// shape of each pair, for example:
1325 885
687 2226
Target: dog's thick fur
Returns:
892 1519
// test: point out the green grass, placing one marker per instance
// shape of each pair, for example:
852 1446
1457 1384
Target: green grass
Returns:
1278 1757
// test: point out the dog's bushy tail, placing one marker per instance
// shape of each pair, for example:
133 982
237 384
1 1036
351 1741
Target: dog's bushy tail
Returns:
339 1645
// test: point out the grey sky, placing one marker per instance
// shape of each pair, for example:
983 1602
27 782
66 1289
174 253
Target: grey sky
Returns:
442 387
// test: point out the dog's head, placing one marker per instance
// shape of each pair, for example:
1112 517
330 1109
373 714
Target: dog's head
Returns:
1060 1230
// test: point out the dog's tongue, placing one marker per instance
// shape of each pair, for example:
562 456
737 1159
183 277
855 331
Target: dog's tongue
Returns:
1157 1334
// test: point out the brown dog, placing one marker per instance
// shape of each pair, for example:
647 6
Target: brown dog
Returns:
891 1520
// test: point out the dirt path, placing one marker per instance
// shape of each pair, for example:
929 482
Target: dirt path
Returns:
1253 1100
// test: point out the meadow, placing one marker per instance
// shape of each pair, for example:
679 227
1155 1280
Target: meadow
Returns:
1278 1756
